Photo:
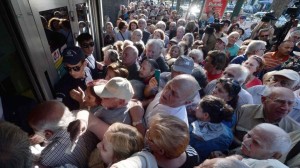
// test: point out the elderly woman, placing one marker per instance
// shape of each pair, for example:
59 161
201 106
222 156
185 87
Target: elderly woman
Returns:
255 64
189 39
137 36
168 139
197 56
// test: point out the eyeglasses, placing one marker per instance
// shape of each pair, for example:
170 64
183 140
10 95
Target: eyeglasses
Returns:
87 45
282 102
264 35
75 68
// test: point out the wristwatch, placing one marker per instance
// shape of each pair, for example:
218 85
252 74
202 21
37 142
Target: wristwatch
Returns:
135 123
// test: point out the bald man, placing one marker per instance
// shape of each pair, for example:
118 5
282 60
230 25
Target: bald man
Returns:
50 120
130 61
277 102
177 93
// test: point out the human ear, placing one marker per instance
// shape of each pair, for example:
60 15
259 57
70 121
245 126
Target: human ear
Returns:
48 134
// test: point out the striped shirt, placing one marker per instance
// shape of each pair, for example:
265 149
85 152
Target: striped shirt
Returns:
271 61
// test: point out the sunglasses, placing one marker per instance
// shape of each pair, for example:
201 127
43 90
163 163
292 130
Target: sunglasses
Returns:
264 35
75 68
87 45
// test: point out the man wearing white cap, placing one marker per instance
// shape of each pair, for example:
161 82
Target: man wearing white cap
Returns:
116 103
284 78
221 44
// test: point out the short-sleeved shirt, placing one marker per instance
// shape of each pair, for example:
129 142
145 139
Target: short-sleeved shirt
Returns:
233 51
115 115
272 62
248 116
192 158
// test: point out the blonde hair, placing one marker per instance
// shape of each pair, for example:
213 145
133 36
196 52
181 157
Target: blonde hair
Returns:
170 134
125 139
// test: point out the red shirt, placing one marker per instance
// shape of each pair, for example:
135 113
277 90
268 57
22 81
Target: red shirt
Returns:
211 77
255 81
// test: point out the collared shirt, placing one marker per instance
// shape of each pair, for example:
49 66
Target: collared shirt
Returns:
154 107
251 115
55 153
271 61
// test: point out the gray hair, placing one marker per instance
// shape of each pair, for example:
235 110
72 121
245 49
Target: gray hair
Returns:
190 39
243 72
234 33
159 44
161 23
279 140
254 45
135 50
181 22
198 53
138 30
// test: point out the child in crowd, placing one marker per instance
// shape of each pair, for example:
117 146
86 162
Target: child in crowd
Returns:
208 134
119 142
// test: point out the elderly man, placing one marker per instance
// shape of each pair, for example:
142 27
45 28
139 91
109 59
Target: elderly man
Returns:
50 120
221 44
284 78
238 73
277 102
255 47
264 144
232 47
177 93
154 51
142 24
130 61
273 60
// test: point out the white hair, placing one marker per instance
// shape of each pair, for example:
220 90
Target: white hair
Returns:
243 72
198 53
161 23
255 45
279 140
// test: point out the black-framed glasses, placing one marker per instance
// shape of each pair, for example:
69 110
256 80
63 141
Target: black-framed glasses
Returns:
87 45
75 68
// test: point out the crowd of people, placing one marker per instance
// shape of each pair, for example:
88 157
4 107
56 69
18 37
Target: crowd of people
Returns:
169 93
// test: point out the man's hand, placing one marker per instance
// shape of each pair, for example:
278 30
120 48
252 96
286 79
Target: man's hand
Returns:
76 129
78 95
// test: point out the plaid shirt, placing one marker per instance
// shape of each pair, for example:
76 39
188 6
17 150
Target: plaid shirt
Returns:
55 154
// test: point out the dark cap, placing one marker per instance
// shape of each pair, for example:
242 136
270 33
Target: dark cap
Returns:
267 17
73 55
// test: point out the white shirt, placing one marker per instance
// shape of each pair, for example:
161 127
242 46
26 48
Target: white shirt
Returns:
154 107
